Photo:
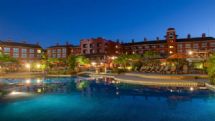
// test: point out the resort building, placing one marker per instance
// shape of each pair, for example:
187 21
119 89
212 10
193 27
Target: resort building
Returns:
62 51
99 49
172 44
22 51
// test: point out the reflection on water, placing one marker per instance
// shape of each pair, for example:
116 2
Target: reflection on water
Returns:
98 87
84 99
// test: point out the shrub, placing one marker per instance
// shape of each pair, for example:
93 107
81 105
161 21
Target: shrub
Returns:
211 69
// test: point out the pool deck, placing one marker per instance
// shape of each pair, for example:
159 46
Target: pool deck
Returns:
187 80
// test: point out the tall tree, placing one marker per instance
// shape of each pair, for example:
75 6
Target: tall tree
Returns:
75 61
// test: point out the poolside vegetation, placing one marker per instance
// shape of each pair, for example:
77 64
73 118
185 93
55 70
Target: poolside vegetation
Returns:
211 69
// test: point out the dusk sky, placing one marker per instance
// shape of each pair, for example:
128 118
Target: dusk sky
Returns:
57 21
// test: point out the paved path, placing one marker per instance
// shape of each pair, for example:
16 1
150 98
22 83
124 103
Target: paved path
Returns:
158 80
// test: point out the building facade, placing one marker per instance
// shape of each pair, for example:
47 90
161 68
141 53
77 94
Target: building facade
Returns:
22 51
172 44
62 51
99 49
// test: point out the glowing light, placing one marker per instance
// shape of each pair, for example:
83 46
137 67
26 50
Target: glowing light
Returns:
38 51
129 68
171 46
113 57
190 52
14 93
39 90
28 81
93 63
191 88
27 65
38 65
39 81
170 52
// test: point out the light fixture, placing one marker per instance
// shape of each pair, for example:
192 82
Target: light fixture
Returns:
27 65
28 81
93 63
190 52
38 65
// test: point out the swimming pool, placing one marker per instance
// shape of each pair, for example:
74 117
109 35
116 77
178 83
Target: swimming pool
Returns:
75 99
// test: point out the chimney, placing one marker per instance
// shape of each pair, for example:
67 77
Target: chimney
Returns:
145 39
203 35
132 40
188 36
157 38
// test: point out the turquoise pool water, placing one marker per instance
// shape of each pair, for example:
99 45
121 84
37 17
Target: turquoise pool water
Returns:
73 99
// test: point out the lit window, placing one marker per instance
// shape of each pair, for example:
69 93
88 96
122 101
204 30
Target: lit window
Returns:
38 51
171 46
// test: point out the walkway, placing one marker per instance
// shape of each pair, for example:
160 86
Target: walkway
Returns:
162 80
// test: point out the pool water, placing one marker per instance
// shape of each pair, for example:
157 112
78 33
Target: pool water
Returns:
75 99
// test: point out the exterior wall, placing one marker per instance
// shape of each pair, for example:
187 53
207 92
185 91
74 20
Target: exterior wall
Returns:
58 52
93 46
63 51
75 50
22 53
171 45
171 41
99 49
185 47
141 48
